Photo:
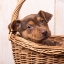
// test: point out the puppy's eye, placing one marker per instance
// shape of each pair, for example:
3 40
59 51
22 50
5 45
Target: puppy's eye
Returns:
29 26
42 21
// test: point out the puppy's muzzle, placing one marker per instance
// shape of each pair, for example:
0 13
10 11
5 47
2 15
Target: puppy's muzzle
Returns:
44 32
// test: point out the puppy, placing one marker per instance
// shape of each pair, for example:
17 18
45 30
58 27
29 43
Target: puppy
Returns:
34 27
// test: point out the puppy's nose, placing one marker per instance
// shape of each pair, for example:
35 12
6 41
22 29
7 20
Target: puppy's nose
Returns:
44 32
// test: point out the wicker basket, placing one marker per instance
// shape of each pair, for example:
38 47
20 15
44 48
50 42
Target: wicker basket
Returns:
27 52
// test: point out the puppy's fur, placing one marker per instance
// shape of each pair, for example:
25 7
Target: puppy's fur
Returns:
33 27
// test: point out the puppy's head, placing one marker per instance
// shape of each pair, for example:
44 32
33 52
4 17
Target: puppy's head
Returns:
33 27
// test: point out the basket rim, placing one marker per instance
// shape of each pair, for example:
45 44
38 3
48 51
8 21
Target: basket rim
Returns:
36 47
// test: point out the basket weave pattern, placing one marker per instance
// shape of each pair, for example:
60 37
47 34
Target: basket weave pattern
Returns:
27 56
27 52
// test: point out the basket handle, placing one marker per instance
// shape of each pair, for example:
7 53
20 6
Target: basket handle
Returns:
16 11
15 15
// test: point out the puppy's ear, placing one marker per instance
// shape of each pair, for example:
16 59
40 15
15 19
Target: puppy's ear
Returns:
16 25
47 16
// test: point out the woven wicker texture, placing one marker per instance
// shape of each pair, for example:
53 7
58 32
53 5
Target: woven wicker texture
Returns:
27 56
27 52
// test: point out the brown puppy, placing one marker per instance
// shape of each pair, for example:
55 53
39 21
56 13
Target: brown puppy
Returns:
34 27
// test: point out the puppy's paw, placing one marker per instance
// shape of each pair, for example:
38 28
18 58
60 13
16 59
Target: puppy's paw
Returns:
49 42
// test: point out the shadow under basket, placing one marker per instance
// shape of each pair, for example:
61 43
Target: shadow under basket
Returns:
27 52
